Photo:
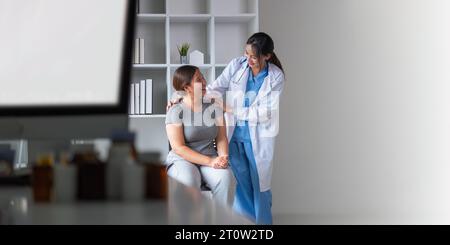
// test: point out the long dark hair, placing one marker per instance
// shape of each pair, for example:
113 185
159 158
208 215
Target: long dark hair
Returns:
262 44
183 77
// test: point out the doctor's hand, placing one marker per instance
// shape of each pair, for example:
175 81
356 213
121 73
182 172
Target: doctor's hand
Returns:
221 104
173 102
219 162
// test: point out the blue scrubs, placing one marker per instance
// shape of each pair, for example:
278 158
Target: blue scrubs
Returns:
249 201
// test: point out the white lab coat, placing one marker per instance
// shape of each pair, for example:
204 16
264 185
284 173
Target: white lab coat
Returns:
263 122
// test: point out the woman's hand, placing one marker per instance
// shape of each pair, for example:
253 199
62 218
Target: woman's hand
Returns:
219 162
225 161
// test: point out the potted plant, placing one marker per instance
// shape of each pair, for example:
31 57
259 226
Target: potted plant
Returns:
183 51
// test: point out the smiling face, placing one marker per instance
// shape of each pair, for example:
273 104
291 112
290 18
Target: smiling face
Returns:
198 83
254 61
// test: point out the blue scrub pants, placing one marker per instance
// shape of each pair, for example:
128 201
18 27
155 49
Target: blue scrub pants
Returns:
248 200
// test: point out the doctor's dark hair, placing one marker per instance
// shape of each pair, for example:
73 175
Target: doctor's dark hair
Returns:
183 77
262 44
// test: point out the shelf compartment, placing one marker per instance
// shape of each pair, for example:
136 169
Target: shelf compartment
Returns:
154 37
235 18
188 6
152 6
150 135
150 18
148 116
149 66
191 32
218 71
189 18
159 89
231 7
204 66
231 41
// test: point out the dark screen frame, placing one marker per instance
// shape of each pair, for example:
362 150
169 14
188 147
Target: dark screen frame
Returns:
107 109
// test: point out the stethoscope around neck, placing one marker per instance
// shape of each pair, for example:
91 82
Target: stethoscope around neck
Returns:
242 73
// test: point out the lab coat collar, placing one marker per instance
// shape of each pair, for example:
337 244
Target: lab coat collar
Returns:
267 85
263 73
242 84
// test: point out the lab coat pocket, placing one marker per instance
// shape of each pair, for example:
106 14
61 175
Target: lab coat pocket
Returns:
266 149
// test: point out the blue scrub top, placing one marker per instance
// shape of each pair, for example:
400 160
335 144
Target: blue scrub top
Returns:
254 83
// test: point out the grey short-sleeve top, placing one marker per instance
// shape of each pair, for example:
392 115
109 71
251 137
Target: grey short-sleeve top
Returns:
199 128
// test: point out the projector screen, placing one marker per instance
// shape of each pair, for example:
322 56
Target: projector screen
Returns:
61 52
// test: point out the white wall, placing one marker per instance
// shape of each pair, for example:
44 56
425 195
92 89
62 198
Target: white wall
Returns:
365 127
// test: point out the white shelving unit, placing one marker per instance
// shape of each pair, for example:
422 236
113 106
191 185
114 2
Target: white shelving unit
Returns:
149 116
217 28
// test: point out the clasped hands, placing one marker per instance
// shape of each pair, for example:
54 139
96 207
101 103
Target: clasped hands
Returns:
219 162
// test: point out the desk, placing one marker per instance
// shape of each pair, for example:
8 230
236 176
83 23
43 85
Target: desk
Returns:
185 206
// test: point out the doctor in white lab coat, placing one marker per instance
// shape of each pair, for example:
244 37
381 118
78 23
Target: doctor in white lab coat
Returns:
252 86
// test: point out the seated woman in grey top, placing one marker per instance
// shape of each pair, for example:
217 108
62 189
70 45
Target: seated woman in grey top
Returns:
192 127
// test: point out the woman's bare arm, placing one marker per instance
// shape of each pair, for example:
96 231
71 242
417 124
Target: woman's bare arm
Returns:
176 139
221 139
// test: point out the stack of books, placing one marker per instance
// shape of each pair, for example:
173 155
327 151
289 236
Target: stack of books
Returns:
139 49
141 97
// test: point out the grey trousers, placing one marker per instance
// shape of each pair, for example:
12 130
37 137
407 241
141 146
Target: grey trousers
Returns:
221 181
